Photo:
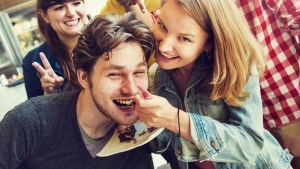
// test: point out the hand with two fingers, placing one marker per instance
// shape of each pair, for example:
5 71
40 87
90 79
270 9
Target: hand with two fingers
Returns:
49 80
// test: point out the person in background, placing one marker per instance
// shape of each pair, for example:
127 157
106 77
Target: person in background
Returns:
67 130
112 6
59 22
276 25
205 87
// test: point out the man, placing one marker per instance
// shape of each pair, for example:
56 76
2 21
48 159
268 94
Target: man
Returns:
67 130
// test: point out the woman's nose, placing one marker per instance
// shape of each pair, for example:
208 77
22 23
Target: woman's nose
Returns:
166 44
71 11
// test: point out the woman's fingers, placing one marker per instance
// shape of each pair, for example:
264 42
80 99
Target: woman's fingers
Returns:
45 61
58 79
41 71
142 6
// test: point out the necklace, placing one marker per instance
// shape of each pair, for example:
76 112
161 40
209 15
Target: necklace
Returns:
85 135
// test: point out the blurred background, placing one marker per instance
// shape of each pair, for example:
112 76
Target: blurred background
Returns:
18 35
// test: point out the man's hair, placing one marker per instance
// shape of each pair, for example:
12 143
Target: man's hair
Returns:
106 32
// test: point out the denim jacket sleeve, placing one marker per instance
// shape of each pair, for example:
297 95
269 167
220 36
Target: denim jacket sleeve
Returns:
239 140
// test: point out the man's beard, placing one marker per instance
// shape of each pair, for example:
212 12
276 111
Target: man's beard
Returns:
105 109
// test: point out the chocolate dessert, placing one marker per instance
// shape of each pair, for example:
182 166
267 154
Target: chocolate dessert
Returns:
127 134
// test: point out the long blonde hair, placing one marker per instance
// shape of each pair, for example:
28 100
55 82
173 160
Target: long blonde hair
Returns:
235 50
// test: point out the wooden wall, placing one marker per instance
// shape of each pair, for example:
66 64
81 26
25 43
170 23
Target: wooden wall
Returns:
8 4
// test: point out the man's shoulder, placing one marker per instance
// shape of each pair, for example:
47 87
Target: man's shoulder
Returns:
56 100
44 109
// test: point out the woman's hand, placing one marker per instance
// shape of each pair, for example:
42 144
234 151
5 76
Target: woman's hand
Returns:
140 3
156 111
49 80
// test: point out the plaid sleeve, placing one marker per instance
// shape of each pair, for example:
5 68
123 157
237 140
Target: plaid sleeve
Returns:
289 13
276 24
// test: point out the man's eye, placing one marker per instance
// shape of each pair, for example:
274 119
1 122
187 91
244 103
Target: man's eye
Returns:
140 72
114 75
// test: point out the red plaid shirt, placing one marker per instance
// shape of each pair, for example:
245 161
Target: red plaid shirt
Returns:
276 24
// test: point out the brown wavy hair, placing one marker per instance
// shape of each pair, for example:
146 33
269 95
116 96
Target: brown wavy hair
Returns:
106 32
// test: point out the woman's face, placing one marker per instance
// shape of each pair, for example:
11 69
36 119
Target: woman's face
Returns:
179 38
67 19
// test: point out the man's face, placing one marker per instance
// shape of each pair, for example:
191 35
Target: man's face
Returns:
115 82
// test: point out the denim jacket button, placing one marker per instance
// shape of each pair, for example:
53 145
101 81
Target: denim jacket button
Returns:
286 157
214 145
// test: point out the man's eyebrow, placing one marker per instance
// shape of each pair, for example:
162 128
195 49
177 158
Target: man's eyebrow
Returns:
119 67
141 64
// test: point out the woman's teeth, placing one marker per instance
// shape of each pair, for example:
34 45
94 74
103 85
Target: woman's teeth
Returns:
72 23
168 56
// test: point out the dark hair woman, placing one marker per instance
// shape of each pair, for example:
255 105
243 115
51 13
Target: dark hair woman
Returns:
60 22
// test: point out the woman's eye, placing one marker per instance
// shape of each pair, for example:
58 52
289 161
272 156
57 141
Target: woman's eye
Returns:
58 8
185 39
162 26
77 3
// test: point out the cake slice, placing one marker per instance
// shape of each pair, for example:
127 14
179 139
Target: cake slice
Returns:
126 134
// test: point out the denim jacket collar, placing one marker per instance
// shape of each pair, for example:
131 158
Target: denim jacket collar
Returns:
203 67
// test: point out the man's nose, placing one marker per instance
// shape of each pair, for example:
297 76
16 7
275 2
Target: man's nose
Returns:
129 86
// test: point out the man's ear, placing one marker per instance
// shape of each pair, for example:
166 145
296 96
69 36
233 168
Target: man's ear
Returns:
83 78
44 16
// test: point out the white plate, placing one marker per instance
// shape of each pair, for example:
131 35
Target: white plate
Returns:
114 145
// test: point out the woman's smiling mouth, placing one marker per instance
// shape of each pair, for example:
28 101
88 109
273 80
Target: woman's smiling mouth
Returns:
72 22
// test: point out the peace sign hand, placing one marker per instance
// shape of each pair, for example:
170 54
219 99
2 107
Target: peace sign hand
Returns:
49 80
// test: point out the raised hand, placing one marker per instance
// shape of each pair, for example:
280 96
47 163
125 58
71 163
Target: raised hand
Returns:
140 3
49 80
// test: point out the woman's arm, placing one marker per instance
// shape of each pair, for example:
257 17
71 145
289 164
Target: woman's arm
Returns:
139 9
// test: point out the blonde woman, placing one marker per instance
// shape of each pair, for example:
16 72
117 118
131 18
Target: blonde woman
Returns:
206 82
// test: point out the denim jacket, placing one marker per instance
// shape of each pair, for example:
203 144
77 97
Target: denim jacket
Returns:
232 137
